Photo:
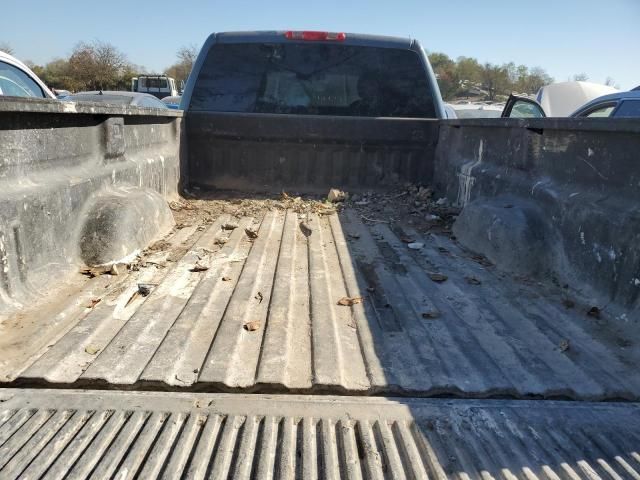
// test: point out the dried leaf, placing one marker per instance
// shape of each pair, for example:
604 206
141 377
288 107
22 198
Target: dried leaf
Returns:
199 268
252 234
406 239
144 289
220 241
353 236
229 226
91 349
348 301
564 345
305 229
93 302
259 297
285 196
472 280
252 326
438 277
336 195
226 279
431 314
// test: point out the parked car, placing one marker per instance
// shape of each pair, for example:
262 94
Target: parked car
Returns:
172 102
477 110
17 80
615 105
61 93
118 98
572 99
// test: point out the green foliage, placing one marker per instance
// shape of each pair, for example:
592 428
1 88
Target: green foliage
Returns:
466 77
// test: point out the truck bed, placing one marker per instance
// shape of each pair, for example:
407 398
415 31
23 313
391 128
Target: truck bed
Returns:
212 309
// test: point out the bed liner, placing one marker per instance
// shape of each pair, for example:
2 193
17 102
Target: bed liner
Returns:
231 313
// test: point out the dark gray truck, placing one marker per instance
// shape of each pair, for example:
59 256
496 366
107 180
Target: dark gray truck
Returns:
179 300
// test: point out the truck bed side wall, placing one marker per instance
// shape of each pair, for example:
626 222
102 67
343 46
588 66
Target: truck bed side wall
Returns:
581 179
55 159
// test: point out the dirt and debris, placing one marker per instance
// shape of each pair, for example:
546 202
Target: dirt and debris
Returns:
415 245
226 279
564 345
230 226
409 204
349 301
568 303
252 326
472 281
431 314
259 297
438 277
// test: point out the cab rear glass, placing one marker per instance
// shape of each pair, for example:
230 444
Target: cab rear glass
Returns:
313 79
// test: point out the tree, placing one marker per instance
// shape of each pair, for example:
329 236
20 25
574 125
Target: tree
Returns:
186 58
6 48
610 82
469 70
446 73
98 66
495 79
580 77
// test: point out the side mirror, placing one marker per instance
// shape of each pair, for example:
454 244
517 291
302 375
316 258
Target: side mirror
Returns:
522 107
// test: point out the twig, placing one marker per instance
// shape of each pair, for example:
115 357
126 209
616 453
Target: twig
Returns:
400 195
373 220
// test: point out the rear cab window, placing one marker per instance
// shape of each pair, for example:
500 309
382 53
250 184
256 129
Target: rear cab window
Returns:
313 79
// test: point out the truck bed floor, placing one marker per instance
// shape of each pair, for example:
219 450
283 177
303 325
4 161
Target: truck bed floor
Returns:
221 311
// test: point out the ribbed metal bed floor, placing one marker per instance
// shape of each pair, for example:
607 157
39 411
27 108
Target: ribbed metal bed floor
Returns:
261 315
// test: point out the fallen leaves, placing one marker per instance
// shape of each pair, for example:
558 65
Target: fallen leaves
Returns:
229 226
431 314
472 281
252 326
564 345
438 277
349 301
226 279
252 234
259 297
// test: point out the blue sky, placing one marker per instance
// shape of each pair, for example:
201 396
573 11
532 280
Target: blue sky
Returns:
599 38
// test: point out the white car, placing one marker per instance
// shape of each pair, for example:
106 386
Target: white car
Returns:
17 80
